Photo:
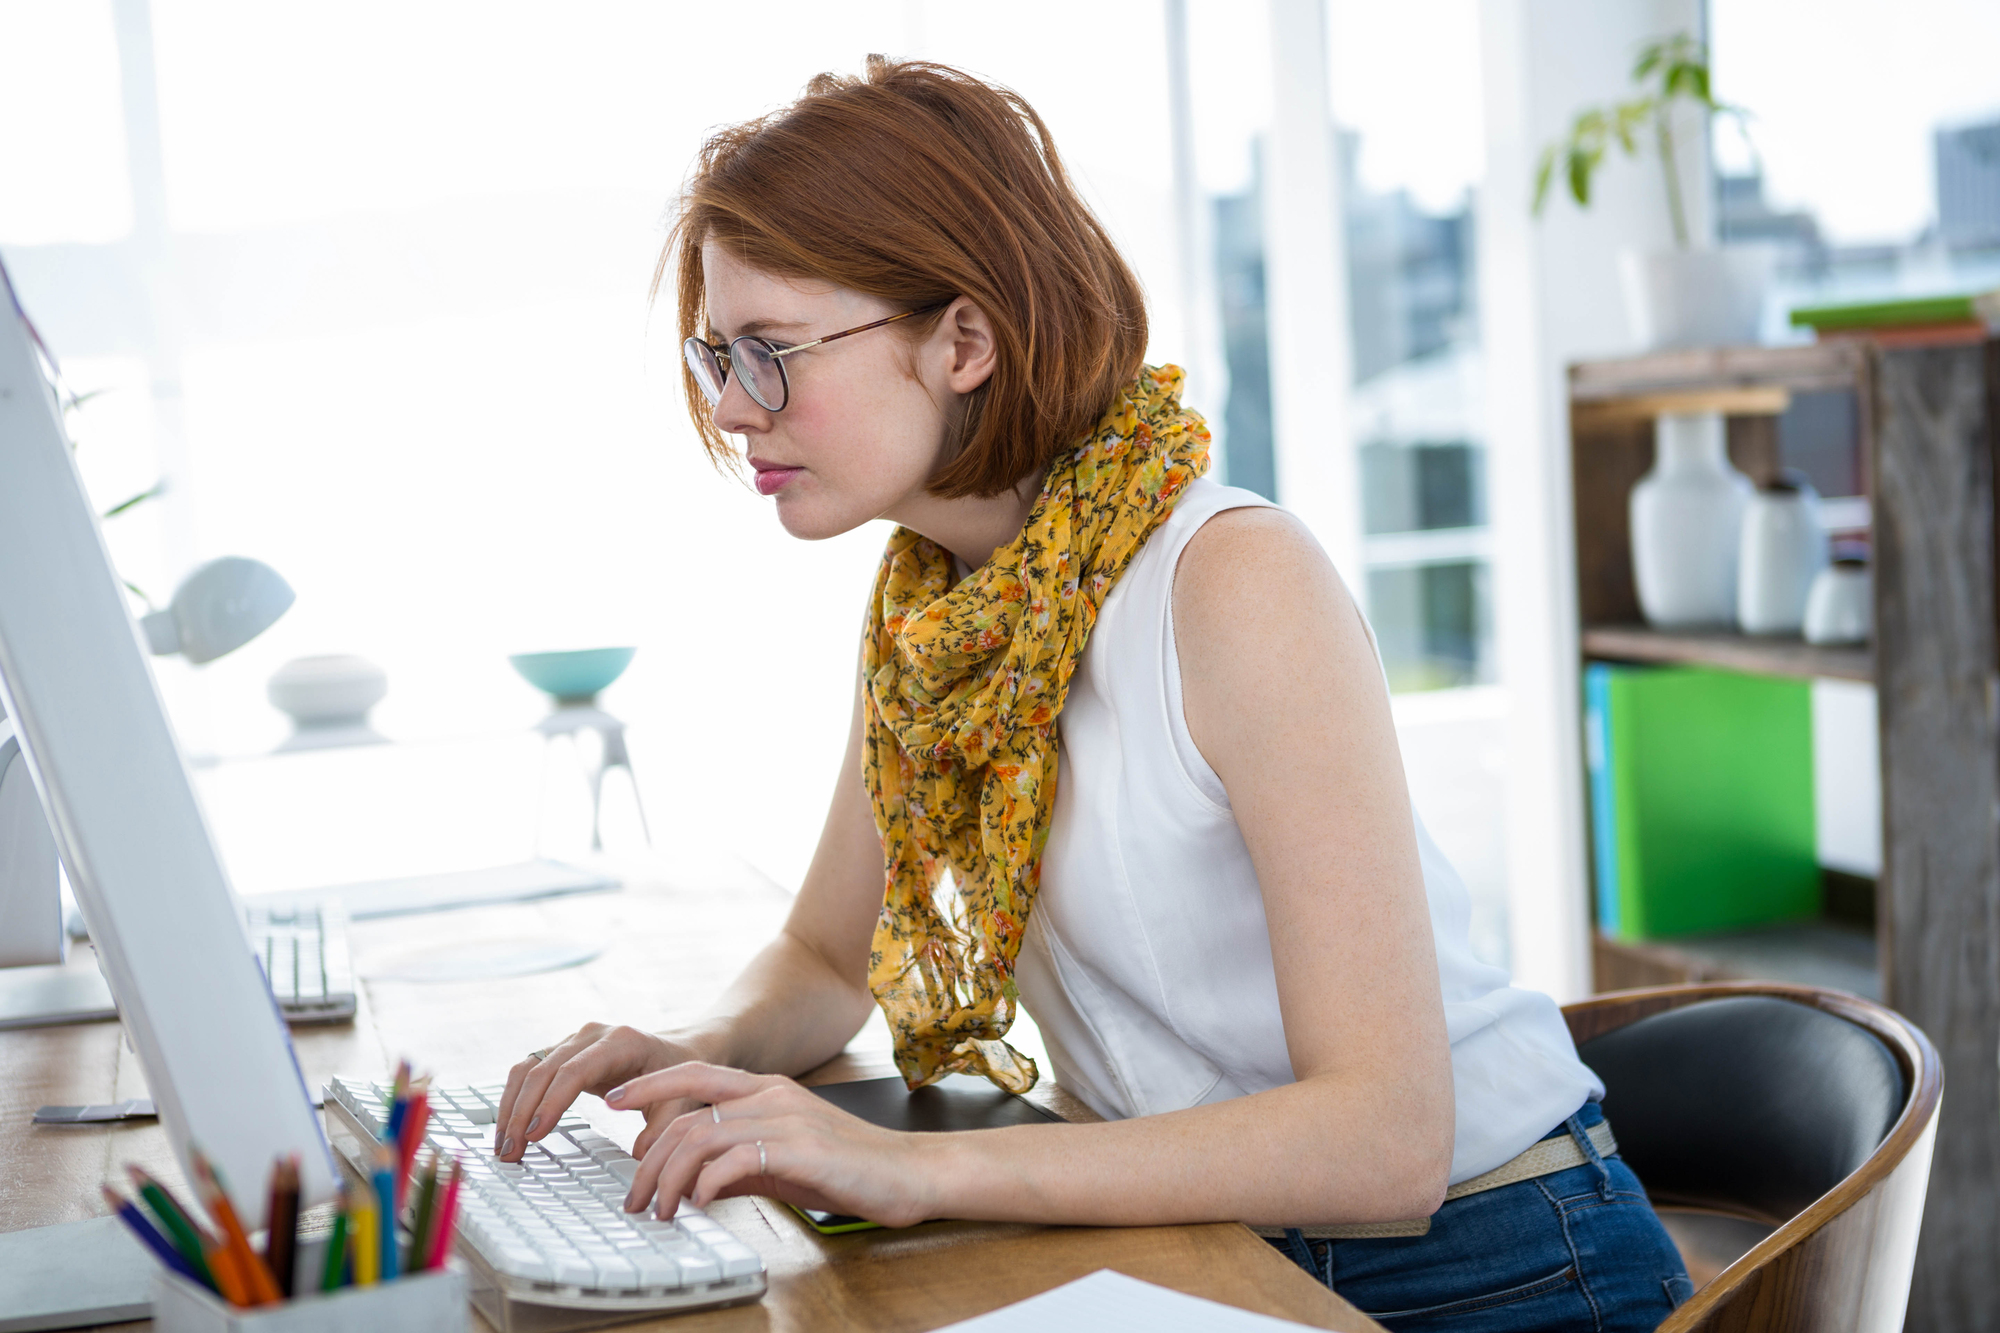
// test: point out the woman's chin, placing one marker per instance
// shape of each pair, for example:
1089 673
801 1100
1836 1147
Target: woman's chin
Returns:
810 519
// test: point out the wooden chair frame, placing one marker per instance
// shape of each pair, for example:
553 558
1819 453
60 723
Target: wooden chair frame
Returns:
1845 1262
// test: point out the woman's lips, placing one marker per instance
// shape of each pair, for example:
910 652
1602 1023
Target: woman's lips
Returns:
772 480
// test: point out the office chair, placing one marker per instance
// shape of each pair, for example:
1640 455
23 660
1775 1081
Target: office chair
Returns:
1784 1134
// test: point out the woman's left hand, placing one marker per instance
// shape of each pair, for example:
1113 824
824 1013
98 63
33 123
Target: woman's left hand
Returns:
813 1155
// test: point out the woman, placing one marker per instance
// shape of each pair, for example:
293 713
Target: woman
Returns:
1121 751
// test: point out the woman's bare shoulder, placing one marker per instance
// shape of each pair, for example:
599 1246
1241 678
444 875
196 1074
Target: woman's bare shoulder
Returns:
1258 570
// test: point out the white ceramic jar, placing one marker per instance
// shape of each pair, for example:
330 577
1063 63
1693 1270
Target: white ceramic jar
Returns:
1841 606
335 690
1784 547
1687 516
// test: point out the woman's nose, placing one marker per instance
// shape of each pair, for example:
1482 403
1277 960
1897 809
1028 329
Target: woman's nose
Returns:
737 413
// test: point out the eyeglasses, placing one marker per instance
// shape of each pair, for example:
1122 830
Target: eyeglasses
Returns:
760 363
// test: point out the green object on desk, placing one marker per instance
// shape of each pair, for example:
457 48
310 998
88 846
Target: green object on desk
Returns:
833 1224
1898 313
1701 786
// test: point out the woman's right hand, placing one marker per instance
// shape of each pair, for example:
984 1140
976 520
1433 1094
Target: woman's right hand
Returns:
596 1059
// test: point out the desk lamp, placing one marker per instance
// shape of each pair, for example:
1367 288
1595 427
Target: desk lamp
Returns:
217 609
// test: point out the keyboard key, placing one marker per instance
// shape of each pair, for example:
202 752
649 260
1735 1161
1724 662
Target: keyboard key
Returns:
699 1268
615 1271
522 1262
575 1271
623 1171
737 1259
657 1270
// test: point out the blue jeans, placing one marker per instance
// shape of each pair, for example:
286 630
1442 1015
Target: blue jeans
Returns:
1575 1250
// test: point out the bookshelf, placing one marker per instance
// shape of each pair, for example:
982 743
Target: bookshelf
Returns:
1928 934
1736 652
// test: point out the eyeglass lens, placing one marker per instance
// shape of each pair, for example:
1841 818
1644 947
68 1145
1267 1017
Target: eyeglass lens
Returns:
707 370
762 374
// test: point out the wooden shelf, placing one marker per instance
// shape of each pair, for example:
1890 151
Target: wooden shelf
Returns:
1720 371
1807 953
1736 652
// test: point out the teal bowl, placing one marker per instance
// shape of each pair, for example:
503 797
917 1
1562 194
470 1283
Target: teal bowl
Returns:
576 677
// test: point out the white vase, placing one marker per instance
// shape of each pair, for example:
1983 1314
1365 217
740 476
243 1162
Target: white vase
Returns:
1703 297
1687 517
1841 606
1784 548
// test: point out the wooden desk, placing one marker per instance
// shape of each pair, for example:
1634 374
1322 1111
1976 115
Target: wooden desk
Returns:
672 938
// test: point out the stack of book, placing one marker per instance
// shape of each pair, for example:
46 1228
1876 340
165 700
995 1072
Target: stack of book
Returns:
1925 321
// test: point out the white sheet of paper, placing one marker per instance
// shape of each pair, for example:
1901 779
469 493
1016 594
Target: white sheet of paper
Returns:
1108 1302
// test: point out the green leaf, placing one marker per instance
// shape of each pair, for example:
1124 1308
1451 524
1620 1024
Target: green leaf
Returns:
152 492
1581 165
1545 172
1630 117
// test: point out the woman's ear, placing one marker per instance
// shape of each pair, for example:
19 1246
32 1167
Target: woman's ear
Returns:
969 344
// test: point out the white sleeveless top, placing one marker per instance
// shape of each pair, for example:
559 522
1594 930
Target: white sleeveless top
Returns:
1147 962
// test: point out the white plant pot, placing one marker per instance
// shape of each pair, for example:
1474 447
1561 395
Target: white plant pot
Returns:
1784 547
1702 297
1687 518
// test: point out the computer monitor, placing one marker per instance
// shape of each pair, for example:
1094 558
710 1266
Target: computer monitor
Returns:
79 691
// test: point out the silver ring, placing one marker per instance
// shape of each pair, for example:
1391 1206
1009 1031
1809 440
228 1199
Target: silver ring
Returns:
715 1112
763 1163
539 1056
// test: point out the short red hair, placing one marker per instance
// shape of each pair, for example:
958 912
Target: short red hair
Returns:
918 183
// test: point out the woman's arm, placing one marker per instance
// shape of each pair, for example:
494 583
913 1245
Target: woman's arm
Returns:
793 1007
1284 696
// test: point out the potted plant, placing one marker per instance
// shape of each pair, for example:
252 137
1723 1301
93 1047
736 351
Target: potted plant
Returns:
1691 295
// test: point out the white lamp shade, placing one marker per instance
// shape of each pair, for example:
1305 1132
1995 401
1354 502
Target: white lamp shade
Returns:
218 608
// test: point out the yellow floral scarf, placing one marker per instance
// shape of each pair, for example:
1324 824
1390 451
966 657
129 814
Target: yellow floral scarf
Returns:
963 687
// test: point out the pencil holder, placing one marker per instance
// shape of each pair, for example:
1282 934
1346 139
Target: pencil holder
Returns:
429 1302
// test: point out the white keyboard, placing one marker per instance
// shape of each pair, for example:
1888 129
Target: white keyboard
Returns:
551 1230
303 947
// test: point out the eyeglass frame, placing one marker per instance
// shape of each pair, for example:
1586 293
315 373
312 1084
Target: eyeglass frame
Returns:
725 359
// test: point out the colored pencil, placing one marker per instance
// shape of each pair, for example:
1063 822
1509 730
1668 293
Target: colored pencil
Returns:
385 1203
399 1094
257 1279
414 1123
364 1243
128 1213
282 1219
420 1224
334 1268
228 1272
188 1238
447 1221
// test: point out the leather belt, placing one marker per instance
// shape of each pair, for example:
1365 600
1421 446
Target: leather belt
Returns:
1544 1158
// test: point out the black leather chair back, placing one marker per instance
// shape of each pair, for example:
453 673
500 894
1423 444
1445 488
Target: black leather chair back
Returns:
1746 1103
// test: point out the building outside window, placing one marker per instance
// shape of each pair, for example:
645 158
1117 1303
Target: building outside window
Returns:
1415 408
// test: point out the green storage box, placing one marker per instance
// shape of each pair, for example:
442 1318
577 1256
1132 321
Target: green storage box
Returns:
1701 787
